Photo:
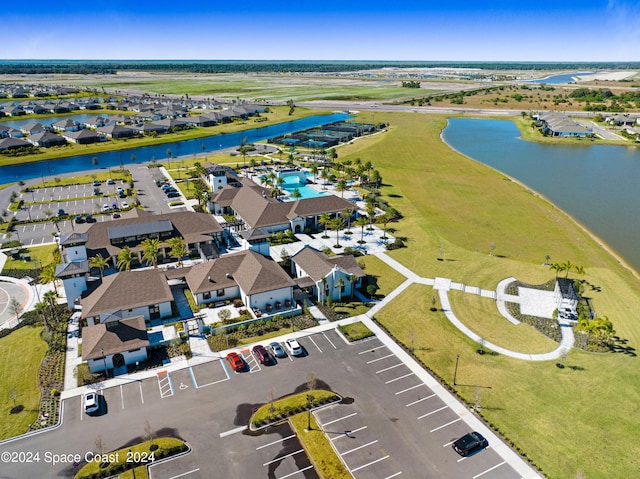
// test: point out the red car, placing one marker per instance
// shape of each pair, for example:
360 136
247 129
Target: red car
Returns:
236 361
262 354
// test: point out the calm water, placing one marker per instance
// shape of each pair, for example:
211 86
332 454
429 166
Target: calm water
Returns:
292 182
106 159
559 79
596 184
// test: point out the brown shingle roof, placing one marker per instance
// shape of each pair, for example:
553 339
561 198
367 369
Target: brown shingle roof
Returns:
318 265
125 335
127 290
193 227
251 271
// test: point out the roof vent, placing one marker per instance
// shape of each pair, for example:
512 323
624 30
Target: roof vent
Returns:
228 275
209 279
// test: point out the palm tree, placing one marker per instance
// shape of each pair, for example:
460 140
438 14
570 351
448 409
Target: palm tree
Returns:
567 267
150 251
340 288
370 208
324 221
342 186
48 275
325 176
41 308
324 288
314 172
557 267
361 221
125 257
389 215
352 280
295 194
169 154
346 215
178 248
579 270
50 299
336 224
99 262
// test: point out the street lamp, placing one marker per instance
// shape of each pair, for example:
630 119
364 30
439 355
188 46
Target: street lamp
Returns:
455 371
310 401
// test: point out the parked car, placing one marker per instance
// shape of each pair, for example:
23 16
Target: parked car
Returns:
106 207
166 186
124 204
79 219
110 181
277 350
261 354
171 189
91 402
236 361
97 192
472 442
89 219
96 183
119 189
61 212
173 194
122 195
293 347
115 215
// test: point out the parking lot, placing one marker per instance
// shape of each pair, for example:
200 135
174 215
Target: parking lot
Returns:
392 424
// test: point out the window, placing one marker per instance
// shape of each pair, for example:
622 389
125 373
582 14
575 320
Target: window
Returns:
154 311
220 292
206 295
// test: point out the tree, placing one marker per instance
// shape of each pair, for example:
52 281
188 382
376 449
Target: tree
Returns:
125 257
342 186
324 221
340 288
50 298
370 208
48 275
324 289
361 221
169 154
389 215
99 262
178 249
150 251
336 224
243 149
346 216
352 278
295 194
224 315
15 307
149 435
567 267
314 172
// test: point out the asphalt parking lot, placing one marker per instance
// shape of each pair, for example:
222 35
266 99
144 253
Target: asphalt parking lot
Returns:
390 424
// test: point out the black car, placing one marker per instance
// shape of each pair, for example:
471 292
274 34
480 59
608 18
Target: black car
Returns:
469 443
79 219
173 194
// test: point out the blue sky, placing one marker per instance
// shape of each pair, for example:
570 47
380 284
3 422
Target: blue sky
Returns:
454 30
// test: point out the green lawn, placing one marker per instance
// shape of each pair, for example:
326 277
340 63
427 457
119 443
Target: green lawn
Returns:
483 318
454 203
385 276
21 353
40 256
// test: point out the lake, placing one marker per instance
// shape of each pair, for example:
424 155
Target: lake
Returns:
559 79
596 184
79 163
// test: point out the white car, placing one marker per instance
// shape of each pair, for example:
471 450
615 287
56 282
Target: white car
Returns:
91 403
293 347
106 207
124 205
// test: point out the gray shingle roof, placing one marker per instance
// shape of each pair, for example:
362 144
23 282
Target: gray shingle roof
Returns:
125 335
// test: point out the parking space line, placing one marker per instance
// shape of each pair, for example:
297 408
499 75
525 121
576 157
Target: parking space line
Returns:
369 464
185 473
394 475
297 472
489 470
448 444
398 378
339 419
327 338
141 395
390 367
314 343
433 412
193 378
409 389
445 425
233 431
371 350
166 378
122 396
380 359
275 442
283 457
359 447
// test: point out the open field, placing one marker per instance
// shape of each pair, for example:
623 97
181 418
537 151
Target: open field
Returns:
19 372
452 202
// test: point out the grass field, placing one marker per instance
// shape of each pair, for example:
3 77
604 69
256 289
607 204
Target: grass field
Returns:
19 372
385 276
41 256
454 203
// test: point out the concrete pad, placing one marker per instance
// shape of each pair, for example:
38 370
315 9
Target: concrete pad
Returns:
443 284
535 302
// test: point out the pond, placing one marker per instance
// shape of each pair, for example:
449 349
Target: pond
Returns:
596 184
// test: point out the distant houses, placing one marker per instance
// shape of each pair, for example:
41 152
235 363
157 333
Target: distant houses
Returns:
558 124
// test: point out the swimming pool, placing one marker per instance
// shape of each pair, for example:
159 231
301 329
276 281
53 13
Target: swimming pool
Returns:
291 182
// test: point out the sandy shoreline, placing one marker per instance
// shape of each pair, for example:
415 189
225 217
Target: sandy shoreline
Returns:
599 241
